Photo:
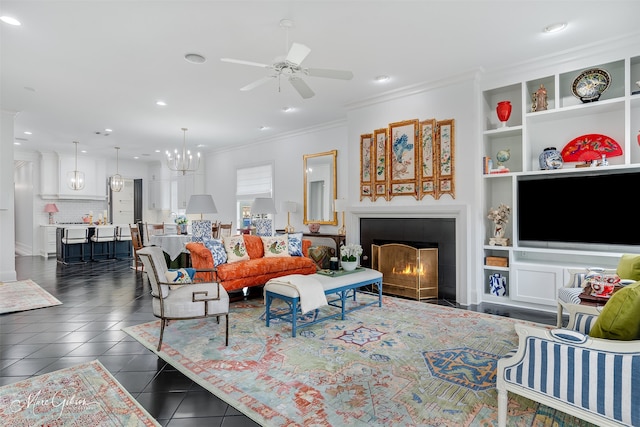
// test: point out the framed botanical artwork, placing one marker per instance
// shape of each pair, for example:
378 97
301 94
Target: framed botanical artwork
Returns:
366 165
403 158
445 158
380 189
428 165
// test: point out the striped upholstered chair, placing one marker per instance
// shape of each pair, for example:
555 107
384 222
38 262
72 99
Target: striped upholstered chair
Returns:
591 378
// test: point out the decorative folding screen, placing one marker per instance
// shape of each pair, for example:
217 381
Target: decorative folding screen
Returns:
366 166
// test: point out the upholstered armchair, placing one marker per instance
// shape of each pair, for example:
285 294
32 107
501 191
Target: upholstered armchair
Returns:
628 270
594 378
173 301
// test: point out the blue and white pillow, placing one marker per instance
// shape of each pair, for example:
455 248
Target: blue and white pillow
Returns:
218 252
180 275
295 244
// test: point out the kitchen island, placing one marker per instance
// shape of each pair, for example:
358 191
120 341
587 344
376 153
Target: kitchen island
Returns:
81 253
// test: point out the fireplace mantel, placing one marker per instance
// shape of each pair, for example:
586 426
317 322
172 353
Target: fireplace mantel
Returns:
455 211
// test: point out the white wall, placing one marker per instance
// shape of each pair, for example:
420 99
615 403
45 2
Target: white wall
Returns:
286 154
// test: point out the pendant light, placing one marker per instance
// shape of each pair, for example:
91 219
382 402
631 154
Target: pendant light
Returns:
116 182
75 178
183 161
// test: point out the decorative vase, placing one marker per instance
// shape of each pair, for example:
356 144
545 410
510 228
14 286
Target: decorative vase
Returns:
638 138
504 111
498 284
314 227
498 230
550 159
349 265
183 228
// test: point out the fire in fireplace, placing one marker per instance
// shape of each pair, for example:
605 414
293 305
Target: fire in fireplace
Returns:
406 270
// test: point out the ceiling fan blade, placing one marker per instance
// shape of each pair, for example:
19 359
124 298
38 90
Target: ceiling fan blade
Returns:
303 89
297 53
240 61
330 74
257 83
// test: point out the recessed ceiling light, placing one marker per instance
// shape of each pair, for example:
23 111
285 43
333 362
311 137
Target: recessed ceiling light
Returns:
16 143
381 78
26 132
9 20
158 151
194 58
161 103
83 151
108 130
287 109
554 28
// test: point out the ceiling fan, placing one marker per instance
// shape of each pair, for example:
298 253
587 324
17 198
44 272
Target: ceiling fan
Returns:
290 67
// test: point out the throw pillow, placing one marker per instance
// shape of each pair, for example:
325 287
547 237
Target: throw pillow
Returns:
179 277
321 256
620 317
218 252
236 250
276 246
295 244
629 267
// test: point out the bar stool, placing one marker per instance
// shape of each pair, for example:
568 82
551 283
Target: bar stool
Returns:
103 234
73 236
123 234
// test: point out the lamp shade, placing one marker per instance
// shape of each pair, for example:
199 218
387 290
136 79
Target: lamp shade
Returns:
50 208
288 206
340 205
263 205
201 204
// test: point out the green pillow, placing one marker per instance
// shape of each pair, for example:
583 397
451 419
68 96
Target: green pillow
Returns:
629 267
620 317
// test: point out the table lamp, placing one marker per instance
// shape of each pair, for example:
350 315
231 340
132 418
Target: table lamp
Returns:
340 205
288 207
51 208
201 204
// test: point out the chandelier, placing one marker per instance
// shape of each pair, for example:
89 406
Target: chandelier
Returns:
183 161
116 182
75 178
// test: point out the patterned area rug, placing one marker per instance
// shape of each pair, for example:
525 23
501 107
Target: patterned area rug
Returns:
405 364
84 395
24 295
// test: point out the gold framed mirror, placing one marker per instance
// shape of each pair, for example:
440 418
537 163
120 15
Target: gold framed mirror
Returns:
320 187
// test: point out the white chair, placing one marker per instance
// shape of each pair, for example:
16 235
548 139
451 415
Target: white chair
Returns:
569 293
191 301
103 235
73 236
150 230
123 237
590 378
225 230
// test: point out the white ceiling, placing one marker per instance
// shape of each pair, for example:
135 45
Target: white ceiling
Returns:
74 68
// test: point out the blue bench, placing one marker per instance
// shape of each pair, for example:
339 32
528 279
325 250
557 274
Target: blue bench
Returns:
344 287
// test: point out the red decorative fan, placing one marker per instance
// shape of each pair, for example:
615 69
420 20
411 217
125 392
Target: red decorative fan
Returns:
590 147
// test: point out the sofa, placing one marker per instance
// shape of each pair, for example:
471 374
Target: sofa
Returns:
256 269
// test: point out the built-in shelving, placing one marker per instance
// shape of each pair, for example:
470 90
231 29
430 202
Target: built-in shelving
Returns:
534 273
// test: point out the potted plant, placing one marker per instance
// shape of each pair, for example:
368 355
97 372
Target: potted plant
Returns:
182 221
349 256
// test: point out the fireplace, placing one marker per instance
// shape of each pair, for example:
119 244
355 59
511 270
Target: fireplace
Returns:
407 271
412 230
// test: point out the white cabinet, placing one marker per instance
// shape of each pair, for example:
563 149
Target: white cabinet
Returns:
185 186
534 273
159 194
48 240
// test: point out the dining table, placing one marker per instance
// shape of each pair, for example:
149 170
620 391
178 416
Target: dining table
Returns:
172 244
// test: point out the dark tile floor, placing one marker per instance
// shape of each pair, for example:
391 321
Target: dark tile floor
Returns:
99 299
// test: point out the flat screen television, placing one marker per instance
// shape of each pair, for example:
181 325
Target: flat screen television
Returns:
587 210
